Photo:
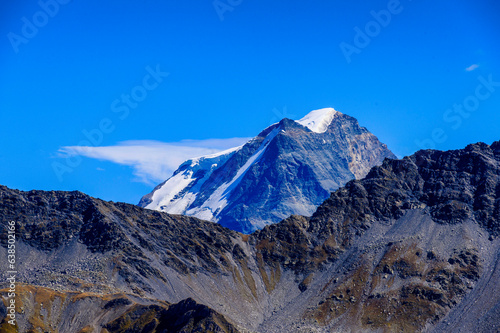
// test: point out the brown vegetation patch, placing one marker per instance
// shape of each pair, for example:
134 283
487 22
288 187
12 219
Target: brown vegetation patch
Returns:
345 297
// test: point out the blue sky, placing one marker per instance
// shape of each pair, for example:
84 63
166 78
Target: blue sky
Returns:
424 74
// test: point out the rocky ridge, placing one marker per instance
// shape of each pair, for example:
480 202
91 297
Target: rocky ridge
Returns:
413 246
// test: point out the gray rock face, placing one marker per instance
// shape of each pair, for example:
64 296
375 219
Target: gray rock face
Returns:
287 169
412 247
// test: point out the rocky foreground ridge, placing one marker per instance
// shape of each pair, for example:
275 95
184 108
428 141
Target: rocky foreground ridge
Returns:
412 247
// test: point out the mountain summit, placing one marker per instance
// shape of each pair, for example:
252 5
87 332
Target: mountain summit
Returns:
289 168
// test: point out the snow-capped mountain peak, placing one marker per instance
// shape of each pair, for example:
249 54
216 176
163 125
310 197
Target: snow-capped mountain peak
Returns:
318 120
289 168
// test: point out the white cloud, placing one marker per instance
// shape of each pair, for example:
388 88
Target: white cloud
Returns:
472 67
153 161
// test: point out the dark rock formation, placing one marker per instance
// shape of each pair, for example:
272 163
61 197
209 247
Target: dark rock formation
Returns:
185 316
414 246
45 310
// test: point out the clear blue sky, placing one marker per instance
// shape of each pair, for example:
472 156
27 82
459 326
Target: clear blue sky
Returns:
229 77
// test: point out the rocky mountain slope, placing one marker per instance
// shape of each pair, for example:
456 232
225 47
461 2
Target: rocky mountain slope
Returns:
47 310
289 168
412 247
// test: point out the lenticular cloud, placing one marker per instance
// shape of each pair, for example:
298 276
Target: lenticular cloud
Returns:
152 161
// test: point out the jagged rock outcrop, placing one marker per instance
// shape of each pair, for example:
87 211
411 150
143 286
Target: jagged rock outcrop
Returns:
46 310
412 247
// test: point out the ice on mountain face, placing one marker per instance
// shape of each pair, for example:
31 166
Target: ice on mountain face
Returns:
164 195
224 152
218 200
167 197
318 120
